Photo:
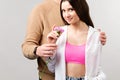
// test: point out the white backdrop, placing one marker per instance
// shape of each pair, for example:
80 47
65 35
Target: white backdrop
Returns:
13 20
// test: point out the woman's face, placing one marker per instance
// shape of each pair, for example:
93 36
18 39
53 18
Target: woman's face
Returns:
69 13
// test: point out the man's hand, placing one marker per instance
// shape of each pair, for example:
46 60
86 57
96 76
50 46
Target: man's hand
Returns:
46 50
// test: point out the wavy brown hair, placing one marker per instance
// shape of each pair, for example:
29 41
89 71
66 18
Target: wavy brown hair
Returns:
81 8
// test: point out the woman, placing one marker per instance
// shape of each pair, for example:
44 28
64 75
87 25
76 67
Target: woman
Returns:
78 52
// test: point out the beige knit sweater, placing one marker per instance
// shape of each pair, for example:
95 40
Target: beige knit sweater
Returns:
40 22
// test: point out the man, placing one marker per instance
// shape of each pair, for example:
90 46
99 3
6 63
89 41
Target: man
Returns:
40 23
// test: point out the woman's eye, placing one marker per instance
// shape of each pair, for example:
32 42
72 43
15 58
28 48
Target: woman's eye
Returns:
71 9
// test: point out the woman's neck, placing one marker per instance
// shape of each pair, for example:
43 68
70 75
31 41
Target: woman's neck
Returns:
79 26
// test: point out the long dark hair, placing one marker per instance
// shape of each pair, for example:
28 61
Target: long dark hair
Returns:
82 9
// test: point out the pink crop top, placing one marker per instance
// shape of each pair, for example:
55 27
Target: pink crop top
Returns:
75 54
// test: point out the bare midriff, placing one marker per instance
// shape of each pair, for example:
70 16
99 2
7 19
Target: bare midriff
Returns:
75 70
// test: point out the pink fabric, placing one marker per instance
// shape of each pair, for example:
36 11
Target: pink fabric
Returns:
75 54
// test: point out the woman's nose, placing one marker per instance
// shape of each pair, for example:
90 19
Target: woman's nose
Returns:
67 14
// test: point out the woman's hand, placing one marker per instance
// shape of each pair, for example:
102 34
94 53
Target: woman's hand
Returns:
52 37
54 34
102 37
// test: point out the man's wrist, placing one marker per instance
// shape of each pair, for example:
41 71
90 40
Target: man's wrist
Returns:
35 51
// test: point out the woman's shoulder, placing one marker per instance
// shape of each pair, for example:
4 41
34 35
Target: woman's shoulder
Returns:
93 29
64 26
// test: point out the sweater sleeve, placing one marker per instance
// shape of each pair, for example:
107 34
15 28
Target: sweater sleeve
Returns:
33 34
